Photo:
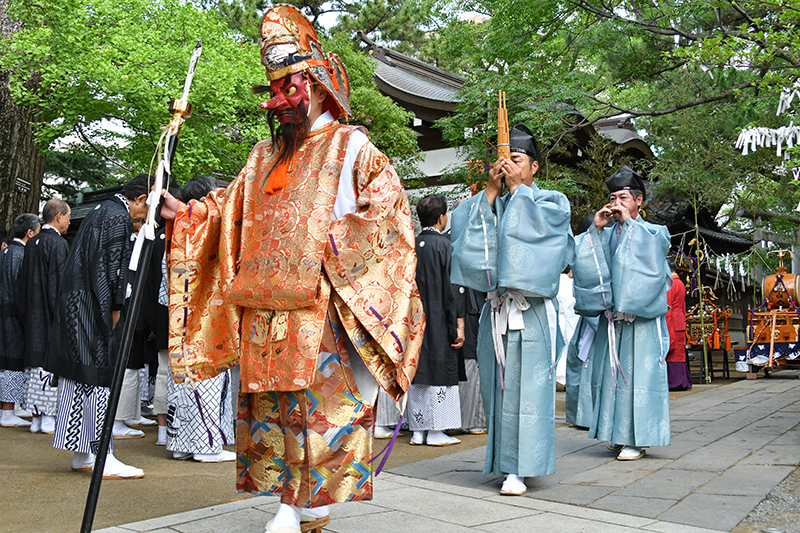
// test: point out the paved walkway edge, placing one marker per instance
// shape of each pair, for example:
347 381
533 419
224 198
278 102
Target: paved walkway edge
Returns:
417 503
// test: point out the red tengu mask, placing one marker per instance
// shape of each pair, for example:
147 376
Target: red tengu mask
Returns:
290 98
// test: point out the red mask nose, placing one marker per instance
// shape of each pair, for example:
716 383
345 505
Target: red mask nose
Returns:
276 102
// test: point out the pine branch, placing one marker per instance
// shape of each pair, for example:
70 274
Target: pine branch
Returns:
98 151
672 109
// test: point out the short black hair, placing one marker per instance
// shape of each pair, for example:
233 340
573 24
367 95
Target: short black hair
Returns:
23 223
585 223
430 208
53 208
672 266
138 186
198 187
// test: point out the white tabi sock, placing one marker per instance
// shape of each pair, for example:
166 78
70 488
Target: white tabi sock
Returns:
9 419
48 424
82 460
515 479
288 516
313 513
439 437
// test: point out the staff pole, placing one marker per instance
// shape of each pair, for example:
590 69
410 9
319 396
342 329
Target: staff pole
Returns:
140 258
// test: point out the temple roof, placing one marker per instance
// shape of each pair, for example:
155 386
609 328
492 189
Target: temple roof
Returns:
620 130
427 91
432 93
678 217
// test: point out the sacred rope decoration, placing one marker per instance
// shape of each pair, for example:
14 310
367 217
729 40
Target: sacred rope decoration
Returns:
750 139
754 137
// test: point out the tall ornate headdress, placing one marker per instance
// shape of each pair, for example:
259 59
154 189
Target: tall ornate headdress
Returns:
289 44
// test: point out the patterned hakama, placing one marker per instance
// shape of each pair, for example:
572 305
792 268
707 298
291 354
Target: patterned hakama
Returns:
147 385
473 415
12 386
311 446
40 397
200 420
81 412
579 391
433 407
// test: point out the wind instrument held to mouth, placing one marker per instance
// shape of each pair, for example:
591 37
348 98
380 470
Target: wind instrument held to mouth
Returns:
503 142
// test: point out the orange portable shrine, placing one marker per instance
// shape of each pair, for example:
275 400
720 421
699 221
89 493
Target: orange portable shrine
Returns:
779 321
775 322
772 330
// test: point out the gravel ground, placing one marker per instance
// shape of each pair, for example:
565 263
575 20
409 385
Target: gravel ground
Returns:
779 511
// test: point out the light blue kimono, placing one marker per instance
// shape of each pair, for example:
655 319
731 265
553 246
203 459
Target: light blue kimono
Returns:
522 245
583 377
623 269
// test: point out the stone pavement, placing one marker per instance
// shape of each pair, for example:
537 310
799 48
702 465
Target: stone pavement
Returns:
730 446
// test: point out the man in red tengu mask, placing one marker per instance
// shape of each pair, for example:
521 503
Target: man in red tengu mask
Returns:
301 272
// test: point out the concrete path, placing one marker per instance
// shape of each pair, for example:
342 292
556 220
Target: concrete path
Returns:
730 446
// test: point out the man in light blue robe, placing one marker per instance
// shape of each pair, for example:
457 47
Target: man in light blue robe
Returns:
515 247
582 380
621 274
582 376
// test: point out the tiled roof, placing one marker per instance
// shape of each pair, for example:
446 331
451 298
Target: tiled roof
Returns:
416 84
679 217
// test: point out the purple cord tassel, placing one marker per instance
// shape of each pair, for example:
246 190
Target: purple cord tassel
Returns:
387 450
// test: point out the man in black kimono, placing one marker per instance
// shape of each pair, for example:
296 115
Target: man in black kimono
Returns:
433 399
473 419
39 278
12 343
91 295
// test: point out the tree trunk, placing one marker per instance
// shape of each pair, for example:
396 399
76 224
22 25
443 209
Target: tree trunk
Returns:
21 160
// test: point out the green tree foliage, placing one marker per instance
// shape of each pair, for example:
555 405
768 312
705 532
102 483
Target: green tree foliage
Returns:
407 26
244 16
69 171
689 73
387 123
110 68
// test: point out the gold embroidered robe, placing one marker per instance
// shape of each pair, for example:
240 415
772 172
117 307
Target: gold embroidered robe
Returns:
251 273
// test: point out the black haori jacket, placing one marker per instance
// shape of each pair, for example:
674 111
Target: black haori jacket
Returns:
12 343
94 285
37 287
438 361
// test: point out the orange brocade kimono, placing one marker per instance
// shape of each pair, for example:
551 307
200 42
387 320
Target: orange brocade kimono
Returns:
268 282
